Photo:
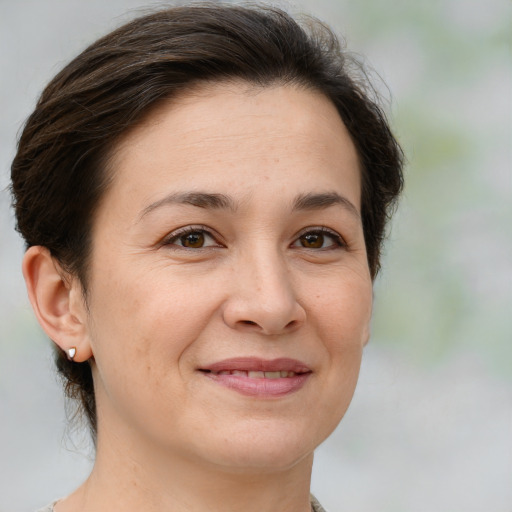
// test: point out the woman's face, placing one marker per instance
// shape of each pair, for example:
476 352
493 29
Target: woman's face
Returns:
229 291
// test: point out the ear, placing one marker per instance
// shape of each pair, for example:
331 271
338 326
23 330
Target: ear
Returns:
57 301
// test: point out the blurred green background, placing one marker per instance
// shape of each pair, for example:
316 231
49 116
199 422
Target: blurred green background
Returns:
430 428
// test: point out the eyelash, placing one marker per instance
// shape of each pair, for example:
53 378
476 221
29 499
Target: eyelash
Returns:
338 241
180 233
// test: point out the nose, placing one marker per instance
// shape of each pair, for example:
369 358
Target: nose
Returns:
263 297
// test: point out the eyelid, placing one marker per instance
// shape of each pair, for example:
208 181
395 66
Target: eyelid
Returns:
177 233
337 238
169 239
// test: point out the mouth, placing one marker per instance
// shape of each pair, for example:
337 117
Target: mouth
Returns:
259 377
256 374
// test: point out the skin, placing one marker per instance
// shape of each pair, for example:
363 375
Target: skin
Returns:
168 437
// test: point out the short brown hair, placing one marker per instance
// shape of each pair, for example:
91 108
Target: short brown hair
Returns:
59 172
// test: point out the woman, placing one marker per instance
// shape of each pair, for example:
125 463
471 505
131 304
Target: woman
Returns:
203 195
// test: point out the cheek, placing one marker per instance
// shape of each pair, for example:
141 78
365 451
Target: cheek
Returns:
141 300
140 334
145 323
343 309
343 313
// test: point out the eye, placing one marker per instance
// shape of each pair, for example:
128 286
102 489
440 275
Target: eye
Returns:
191 237
319 238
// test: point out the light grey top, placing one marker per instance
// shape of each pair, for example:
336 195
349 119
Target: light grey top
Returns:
48 508
315 506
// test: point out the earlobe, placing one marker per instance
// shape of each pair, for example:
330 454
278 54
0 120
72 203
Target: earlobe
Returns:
57 302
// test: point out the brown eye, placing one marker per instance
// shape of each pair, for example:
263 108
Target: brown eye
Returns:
312 240
191 237
320 238
193 240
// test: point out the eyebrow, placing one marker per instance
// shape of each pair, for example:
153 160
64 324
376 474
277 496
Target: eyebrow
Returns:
213 201
199 199
312 201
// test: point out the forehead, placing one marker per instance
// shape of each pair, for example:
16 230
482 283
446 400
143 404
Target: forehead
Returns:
231 134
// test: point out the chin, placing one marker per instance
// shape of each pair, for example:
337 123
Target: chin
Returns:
255 460
264 446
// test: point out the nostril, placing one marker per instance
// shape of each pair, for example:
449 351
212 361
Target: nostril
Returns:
248 322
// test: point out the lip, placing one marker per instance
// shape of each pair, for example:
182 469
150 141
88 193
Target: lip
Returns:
256 364
259 385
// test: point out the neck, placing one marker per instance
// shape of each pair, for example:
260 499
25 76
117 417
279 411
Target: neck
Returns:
134 477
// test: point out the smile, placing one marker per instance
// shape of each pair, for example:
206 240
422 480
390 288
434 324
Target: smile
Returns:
258 377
